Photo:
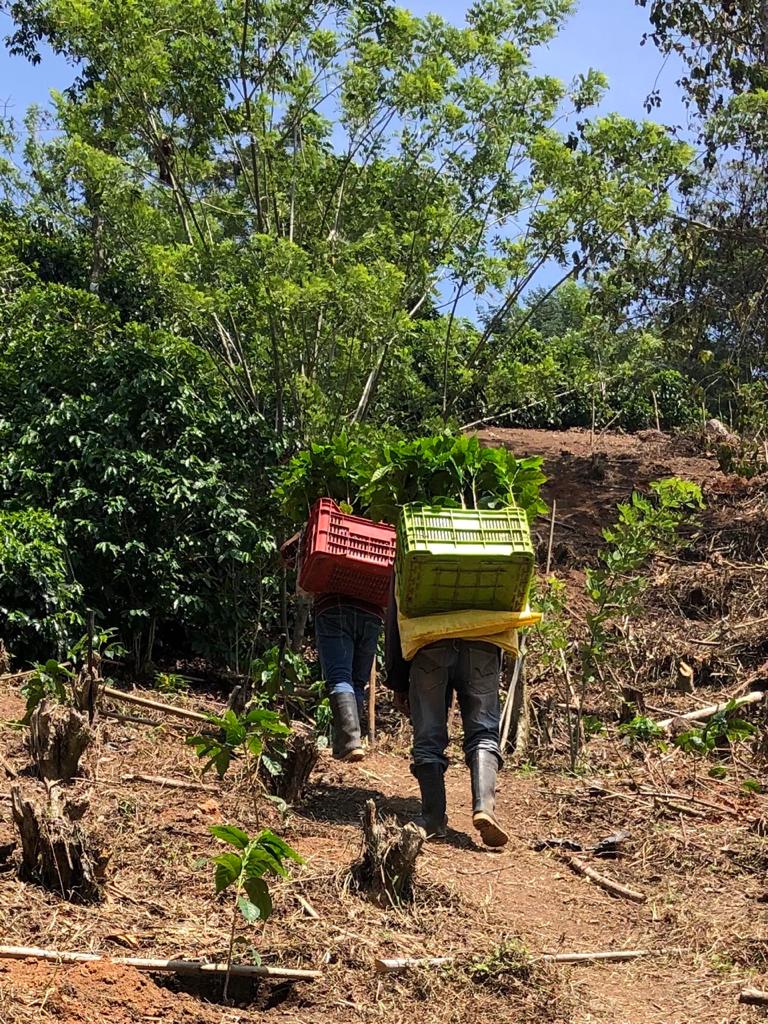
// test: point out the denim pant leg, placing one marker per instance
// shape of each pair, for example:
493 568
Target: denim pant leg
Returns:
367 629
334 633
431 673
477 684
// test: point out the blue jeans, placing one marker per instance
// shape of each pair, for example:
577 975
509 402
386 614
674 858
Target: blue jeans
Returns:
472 669
347 638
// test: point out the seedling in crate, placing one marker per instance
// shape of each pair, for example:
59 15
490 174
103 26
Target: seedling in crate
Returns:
243 873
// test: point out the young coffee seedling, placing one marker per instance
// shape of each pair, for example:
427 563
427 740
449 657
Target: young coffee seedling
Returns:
243 872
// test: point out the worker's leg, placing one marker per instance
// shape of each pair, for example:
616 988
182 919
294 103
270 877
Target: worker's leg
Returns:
477 683
367 630
431 672
334 632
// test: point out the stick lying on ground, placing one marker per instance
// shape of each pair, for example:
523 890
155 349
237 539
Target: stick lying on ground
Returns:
753 997
696 716
170 966
398 964
159 780
145 702
616 888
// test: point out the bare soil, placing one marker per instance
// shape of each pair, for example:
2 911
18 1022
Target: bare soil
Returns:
701 865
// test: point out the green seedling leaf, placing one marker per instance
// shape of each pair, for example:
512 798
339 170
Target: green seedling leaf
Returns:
230 834
258 891
249 910
229 867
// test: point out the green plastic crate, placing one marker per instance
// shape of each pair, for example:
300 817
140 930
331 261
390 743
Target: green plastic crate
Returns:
455 559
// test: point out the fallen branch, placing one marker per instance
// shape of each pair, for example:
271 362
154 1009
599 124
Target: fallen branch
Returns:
696 716
615 888
753 997
403 963
145 702
159 780
307 907
396 965
170 966
682 798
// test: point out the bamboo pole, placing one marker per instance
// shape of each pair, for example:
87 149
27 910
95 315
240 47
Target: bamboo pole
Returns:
156 705
168 966
506 721
551 537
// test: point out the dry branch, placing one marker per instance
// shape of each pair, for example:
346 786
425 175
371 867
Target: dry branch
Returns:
171 966
701 713
160 780
753 997
615 888
145 702
396 965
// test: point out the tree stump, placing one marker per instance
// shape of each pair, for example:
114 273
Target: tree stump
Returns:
58 737
56 851
301 757
385 871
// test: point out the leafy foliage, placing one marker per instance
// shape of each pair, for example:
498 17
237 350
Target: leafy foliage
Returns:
51 680
645 525
723 728
40 602
244 735
443 469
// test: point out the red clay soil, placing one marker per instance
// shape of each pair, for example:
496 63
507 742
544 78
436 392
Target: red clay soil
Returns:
588 480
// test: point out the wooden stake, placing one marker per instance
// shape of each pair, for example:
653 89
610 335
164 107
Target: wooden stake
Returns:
581 868
656 410
506 720
402 963
169 966
551 537
145 702
372 707
696 716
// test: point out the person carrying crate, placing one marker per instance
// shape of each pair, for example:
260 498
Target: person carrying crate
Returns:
346 563
423 690
451 614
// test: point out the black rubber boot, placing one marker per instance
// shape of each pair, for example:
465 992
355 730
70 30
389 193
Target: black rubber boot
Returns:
431 779
483 767
346 727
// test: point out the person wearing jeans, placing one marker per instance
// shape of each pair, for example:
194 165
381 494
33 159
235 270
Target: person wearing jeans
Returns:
423 689
347 635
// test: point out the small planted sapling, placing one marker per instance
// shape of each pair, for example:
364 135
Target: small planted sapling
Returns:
243 872
254 736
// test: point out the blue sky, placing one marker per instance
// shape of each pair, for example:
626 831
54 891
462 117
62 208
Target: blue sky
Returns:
603 34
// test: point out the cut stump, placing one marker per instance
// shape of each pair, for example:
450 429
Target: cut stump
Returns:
56 851
301 757
58 737
385 871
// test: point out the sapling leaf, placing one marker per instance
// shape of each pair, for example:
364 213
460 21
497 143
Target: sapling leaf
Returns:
258 891
230 834
249 910
228 869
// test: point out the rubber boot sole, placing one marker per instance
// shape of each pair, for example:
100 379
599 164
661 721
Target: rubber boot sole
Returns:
491 832
354 755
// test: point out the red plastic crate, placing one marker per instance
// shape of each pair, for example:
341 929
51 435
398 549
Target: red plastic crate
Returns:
346 555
